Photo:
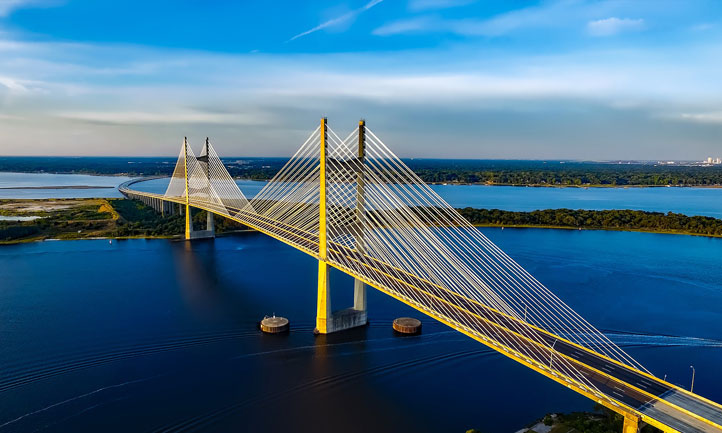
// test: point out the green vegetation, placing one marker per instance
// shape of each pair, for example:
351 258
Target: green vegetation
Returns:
62 219
92 218
493 172
597 219
139 220
602 420
537 173
120 218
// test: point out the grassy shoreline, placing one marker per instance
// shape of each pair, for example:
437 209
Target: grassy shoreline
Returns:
73 219
94 218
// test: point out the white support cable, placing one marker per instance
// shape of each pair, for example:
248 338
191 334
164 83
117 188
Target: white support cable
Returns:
591 331
433 258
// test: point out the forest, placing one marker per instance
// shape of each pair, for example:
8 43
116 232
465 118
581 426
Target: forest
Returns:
597 219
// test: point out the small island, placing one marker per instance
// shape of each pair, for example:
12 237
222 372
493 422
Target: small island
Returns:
618 219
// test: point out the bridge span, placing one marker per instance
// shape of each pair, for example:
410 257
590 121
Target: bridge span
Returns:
355 206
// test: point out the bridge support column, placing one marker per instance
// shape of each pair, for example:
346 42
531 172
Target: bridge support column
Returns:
631 424
323 304
359 295
327 320
359 287
189 223
209 232
211 224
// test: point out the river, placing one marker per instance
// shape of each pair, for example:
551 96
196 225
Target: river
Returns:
140 335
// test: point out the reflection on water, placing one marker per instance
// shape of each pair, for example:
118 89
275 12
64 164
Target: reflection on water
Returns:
156 334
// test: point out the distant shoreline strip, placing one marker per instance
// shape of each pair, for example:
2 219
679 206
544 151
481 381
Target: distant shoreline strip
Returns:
58 187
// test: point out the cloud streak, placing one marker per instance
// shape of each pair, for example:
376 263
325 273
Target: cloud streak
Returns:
547 15
338 20
422 5
613 25
8 6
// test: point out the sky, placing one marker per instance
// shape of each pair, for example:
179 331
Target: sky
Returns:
556 79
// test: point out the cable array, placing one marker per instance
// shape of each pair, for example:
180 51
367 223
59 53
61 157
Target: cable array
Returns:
209 184
386 227
389 229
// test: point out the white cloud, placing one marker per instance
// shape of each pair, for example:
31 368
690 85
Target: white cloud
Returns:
149 93
613 25
12 84
702 27
549 14
8 6
422 5
338 20
714 117
411 25
177 117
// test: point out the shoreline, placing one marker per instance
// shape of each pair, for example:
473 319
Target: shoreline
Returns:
585 186
178 237
70 219
544 227
59 187
610 229
530 185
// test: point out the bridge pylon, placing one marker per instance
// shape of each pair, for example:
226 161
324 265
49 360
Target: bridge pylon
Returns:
210 231
631 424
327 320
189 222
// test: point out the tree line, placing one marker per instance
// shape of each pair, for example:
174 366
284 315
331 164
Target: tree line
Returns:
494 172
598 219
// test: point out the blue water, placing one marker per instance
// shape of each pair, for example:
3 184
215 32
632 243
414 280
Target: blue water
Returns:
35 180
688 201
138 335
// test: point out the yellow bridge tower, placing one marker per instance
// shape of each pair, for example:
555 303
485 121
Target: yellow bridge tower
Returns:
327 320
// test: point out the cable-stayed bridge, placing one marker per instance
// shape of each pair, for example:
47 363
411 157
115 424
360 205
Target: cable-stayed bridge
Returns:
355 206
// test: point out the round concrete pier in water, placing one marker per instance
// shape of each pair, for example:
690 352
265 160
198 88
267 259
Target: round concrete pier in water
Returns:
407 325
274 325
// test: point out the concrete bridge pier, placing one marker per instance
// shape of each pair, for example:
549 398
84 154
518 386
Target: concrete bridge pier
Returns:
327 320
631 424
208 233
211 223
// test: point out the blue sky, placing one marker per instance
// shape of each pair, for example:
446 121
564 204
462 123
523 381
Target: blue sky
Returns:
570 79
